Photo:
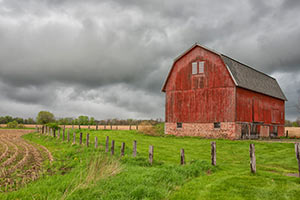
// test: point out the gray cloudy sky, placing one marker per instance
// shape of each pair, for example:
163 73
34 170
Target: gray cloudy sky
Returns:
110 58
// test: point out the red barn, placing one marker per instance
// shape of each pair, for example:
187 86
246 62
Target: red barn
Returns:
211 95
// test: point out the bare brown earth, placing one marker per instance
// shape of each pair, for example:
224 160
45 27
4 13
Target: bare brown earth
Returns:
20 161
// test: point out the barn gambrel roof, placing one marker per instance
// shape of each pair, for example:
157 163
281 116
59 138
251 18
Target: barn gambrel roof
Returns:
251 79
244 76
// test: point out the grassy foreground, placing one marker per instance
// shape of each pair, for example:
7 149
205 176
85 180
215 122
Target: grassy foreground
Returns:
79 172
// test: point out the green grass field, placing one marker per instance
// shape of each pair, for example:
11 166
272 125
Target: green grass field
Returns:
79 172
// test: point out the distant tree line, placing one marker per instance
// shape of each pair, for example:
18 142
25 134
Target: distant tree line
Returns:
289 123
45 117
85 120
19 120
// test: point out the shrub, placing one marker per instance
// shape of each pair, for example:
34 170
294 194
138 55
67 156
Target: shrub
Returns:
21 126
13 124
53 126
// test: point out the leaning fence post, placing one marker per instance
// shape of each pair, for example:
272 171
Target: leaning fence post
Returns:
112 147
87 139
80 138
182 160
74 138
96 142
107 144
252 158
122 148
213 154
297 150
68 136
134 149
150 154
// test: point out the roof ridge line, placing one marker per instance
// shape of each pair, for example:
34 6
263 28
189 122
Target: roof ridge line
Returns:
249 66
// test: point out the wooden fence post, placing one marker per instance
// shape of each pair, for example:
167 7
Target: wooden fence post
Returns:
96 142
80 138
97 127
54 134
104 127
122 148
72 126
287 134
58 133
150 154
182 160
89 127
134 149
87 139
297 151
213 154
68 136
51 132
252 158
110 127
74 137
79 127
129 126
63 135
137 127
112 147
107 144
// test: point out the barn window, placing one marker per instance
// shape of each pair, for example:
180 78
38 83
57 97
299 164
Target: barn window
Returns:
201 67
217 125
179 125
194 68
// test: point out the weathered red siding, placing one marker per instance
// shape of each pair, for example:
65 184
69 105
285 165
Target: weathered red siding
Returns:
209 97
255 107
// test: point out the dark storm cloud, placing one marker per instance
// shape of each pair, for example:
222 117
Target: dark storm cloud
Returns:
116 54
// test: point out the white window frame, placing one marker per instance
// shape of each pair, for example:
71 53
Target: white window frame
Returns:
201 67
194 68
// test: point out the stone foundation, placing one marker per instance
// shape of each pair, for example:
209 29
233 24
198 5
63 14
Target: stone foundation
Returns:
206 130
227 130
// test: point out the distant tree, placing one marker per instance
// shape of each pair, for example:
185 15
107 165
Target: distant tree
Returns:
13 124
45 117
92 121
19 120
30 121
288 123
83 120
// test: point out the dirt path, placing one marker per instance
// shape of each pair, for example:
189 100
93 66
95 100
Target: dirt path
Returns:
20 161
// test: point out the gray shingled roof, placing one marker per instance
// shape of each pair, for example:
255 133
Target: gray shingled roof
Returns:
249 78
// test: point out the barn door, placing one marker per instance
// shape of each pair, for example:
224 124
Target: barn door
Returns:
245 131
